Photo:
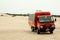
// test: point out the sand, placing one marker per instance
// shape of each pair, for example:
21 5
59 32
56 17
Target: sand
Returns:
17 28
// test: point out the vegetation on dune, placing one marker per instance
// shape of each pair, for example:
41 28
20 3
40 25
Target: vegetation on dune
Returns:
18 14
13 15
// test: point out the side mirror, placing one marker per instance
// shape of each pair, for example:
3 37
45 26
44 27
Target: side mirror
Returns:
55 19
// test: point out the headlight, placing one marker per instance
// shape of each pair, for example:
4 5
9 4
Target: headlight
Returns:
41 26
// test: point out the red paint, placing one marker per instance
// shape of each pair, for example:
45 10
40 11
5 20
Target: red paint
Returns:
40 14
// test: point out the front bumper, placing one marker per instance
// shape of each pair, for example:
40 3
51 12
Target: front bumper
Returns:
46 29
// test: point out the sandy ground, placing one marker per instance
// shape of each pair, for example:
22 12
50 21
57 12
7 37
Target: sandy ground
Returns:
17 28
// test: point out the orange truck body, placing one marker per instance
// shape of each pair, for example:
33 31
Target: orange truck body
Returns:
34 22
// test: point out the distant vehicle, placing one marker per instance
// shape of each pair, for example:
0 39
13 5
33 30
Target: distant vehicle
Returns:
42 22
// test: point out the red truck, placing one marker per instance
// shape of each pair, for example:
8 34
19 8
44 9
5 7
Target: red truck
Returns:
42 22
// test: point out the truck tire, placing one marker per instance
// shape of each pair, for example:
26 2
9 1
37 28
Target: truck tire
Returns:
32 28
38 31
51 32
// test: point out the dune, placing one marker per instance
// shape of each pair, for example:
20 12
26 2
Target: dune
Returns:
17 28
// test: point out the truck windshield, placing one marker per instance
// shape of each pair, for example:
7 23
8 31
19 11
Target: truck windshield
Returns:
45 19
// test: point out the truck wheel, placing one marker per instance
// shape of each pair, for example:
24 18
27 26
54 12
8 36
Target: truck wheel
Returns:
38 31
32 28
51 32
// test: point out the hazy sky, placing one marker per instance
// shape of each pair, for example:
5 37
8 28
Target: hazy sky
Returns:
29 6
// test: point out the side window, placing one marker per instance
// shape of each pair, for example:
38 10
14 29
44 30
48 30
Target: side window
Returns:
31 17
